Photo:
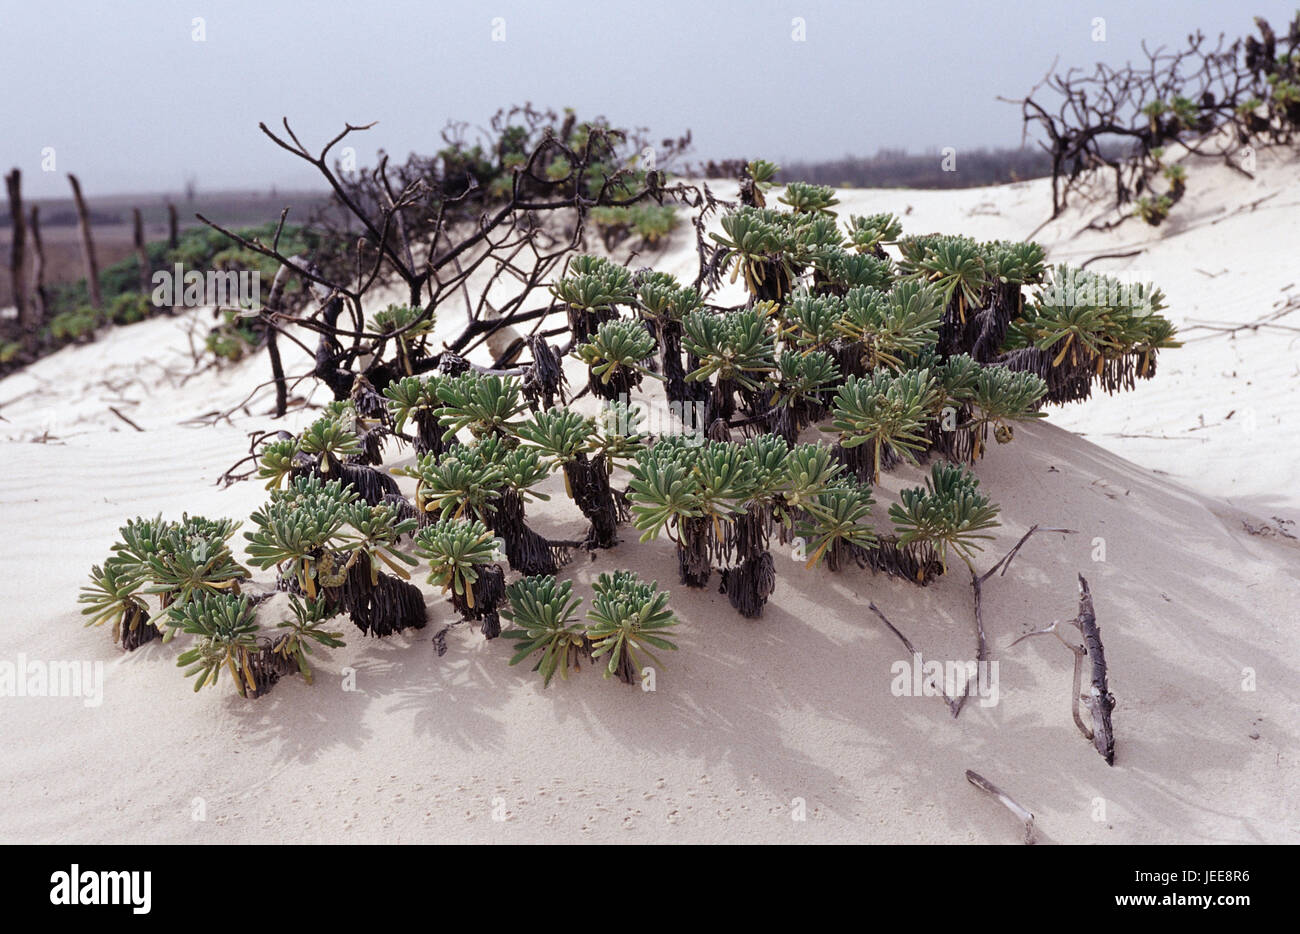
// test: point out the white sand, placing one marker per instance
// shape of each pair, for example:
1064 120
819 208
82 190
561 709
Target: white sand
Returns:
748 716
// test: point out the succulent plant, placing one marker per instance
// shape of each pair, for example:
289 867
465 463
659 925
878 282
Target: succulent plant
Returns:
620 434
837 271
886 412
616 354
485 404
812 320
457 551
304 633
376 533
330 441
726 480
407 325
749 575
803 381
559 433
114 595
296 526
817 233
810 469
1068 314
955 266
574 442
659 297
809 199
948 511
757 181
140 539
417 399
408 395
545 612
225 630
192 557
663 489
1089 326
694 490
459 484
275 462
738 347
1001 396
888 327
838 521
592 292
867 234
627 618
759 245
1154 210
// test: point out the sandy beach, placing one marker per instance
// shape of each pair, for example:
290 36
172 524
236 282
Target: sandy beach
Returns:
782 729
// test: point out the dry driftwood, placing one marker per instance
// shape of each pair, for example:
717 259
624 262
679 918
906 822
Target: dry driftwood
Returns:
954 704
118 413
1099 701
986 786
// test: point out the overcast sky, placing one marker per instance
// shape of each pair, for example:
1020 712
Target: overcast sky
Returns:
131 103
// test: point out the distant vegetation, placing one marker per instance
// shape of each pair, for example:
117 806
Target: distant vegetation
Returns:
897 168
74 319
110 219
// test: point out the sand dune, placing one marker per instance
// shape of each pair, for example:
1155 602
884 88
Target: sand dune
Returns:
750 718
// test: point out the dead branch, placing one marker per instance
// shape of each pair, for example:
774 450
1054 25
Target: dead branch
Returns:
418 228
1024 814
1124 255
114 410
1100 701
977 588
953 704
1108 128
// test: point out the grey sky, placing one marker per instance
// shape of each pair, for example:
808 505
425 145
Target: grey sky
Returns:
131 103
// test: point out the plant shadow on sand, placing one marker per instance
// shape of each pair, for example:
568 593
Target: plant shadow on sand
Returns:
798 702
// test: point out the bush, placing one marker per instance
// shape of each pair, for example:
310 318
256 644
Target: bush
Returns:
904 348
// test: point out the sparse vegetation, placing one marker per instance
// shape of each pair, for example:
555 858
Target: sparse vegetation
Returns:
904 349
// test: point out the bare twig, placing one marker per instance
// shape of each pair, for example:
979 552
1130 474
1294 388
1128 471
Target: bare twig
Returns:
1023 813
977 588
114 410
954 704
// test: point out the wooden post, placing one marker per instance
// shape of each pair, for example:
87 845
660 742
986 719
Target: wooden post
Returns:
40 297
87 244
14 184
141 254
173 235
